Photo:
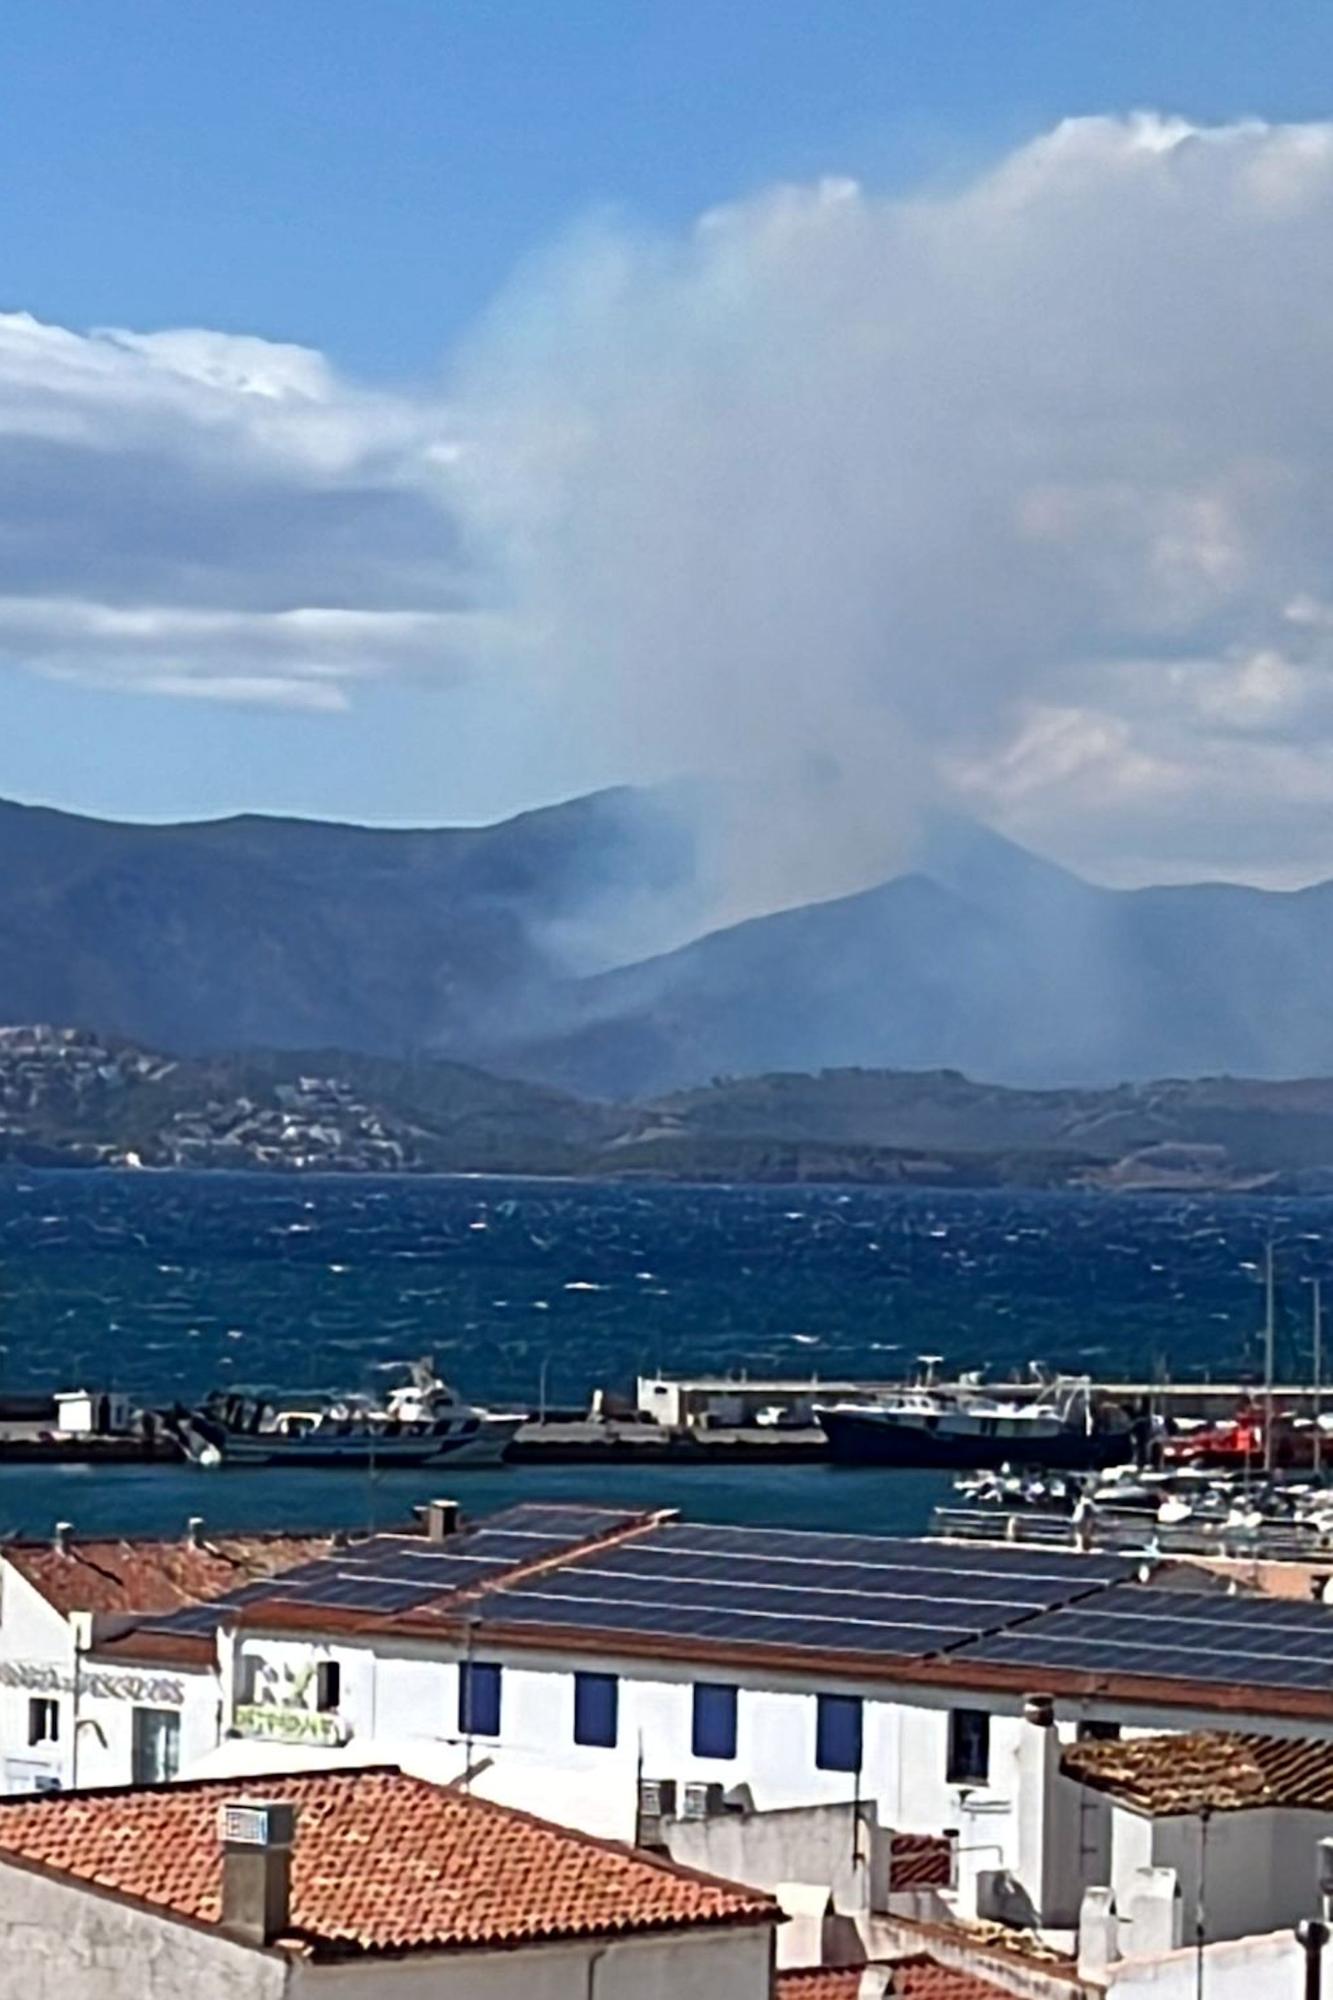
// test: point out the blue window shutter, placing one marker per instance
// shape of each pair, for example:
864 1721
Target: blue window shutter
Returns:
838 1733
478 1698
714 1733
596 1699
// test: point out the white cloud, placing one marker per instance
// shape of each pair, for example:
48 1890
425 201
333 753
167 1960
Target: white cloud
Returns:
1021 492
194 514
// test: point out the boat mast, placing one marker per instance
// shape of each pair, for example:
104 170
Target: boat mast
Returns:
1317 1301
1269 1337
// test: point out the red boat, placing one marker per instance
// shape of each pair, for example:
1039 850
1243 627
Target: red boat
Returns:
1236 1444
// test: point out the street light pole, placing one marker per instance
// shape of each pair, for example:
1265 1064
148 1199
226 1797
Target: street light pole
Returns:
1312 1936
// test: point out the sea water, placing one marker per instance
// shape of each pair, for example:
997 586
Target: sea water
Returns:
170 1284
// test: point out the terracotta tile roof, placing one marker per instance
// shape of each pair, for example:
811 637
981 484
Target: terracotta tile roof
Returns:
917 1978
1206 1769
155 1575
820 1982
383 1862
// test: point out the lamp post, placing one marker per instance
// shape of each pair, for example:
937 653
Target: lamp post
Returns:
1312 1936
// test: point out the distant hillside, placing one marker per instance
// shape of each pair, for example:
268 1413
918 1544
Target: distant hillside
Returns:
986 960
69 1097
487 946
295 934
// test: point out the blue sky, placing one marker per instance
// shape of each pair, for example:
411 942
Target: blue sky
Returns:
457 206
363 178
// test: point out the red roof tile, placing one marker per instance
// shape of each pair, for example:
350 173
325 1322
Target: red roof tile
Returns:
1206 1769
917 1978
383 1862
155 1575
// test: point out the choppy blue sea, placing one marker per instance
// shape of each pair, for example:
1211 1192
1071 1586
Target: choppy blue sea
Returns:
167 1284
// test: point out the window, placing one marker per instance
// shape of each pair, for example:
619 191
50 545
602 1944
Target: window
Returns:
43 1720
714 1732
156 1746
838 1733
969 1746
328 1685
247 1679
596 1698
478 1699
1098 1732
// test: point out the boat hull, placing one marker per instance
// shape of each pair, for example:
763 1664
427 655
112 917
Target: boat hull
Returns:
866 1437
485 1446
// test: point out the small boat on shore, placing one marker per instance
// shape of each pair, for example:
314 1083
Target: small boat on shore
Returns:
422 1423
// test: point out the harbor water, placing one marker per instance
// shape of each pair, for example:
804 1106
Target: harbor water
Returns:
528 1292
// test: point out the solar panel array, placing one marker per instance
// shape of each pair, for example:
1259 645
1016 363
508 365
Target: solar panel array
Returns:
1034 1608
394 1573
1173 1635
861 1593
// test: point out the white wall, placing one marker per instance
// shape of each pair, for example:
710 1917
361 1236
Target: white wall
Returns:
402 1707
36 1659
399 1704
1260 1869
57 1941
1252 1968
106 1719
699 1965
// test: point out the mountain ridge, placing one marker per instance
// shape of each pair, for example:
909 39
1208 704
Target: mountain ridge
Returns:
525 948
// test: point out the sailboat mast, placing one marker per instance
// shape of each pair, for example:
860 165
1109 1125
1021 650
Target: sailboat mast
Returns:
1317 1299
1270 1320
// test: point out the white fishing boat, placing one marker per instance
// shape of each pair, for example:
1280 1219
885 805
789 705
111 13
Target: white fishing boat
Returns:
424 1422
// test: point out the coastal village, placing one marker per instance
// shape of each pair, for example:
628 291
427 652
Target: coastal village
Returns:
573 1743
62 1081
666 1000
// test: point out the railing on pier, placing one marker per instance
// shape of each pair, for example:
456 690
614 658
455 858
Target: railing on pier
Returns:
1132 1534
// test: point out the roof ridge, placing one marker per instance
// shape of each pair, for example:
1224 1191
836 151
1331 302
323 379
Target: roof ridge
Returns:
171 1787
661 1864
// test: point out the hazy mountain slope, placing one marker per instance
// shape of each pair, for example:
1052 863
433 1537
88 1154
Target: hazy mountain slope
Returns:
295 933
476 944
991 962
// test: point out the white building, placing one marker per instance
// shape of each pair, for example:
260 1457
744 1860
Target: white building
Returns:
639 1677
351 1885
67 1720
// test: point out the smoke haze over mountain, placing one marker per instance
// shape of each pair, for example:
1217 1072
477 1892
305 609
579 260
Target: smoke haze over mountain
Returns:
1015 493
1011 495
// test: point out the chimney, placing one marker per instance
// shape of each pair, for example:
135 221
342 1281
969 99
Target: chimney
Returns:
256 1836
441 1520
194 1528
60 1539
1098 1936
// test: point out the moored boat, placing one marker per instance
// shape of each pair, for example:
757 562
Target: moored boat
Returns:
422 1423
968 1430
